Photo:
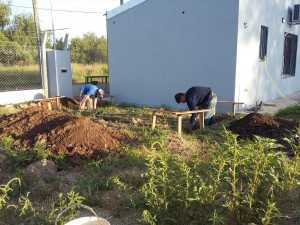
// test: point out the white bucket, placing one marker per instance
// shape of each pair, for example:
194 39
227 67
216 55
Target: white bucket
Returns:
88 220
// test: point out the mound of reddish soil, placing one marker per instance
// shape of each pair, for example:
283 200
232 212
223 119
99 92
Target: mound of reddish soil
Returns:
64 133
68 102
62 102
263 125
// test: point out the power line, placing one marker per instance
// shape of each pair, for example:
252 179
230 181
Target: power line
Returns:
27 31
58 10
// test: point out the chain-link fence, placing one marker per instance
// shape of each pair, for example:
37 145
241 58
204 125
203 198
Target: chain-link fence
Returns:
19 68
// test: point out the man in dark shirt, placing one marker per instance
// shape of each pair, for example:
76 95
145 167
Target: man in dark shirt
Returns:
199 98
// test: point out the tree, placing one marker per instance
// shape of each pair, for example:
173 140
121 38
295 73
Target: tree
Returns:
19 40
5 13
89 49
60 44
22 30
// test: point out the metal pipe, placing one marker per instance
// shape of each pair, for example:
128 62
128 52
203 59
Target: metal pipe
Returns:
54 41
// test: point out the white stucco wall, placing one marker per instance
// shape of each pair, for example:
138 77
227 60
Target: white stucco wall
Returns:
158 48
253 83
14 97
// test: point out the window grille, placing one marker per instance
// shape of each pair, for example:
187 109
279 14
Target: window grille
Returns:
263 43
289 54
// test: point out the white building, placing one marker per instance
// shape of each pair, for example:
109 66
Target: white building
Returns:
157 48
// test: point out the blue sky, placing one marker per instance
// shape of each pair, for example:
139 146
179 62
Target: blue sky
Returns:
86 15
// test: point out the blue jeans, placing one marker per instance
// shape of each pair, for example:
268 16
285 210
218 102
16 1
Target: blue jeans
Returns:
209 116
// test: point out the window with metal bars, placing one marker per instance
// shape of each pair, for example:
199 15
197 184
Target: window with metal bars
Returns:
289 54
263 44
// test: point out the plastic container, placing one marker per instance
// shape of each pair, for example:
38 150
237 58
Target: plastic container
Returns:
87 220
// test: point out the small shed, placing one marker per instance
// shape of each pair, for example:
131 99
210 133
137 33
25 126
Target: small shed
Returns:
245 50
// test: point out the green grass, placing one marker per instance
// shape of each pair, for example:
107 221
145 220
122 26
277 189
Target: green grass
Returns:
28 76
20 77
7 110
290 112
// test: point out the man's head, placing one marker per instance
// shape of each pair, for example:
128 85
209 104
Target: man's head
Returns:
180 98
100 92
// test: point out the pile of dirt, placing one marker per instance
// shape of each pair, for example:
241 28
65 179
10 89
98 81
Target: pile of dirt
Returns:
60 102
68 102
263 125
65 134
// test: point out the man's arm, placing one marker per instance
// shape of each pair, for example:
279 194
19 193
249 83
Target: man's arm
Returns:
192 106
82 103
95 102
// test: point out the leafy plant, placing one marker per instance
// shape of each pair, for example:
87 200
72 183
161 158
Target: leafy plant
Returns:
174 191
24 209
4 192
245 183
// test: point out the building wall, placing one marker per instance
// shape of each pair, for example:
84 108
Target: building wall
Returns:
252 76
158 48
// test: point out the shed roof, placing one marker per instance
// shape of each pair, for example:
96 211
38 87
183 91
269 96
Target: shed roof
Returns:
122 8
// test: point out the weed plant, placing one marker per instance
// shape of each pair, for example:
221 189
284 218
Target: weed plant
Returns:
227 182
23 211
22 157
291 111
245 183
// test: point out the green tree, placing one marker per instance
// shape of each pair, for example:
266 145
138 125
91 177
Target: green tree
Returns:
89 49
60 44
22 30
21 33
5 13
3 38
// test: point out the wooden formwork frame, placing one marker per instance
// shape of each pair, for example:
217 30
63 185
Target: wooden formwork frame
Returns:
179 115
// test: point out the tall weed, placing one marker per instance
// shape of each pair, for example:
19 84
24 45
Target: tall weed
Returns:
174 191
247 182
24 212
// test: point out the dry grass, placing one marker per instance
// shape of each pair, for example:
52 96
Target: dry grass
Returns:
79 71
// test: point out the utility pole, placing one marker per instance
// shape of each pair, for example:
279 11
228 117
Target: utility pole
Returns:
121 2
39 45
36 21
37 26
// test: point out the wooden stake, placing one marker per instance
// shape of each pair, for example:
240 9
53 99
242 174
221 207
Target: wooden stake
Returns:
179 128
153 120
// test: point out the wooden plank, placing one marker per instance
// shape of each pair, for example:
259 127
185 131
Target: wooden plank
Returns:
162 111
233 105
153 120
179 124
191 112
201 121
233 109
47 99
179 114
49 105
221 101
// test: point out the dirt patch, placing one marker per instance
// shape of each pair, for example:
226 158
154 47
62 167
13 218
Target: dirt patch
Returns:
68 102
60 102
263 125
65 134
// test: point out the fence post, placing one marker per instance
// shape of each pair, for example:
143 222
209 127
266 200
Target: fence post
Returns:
44 66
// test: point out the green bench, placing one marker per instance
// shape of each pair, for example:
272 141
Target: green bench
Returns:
102 79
